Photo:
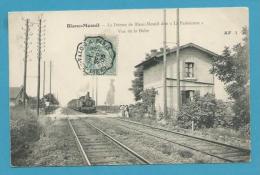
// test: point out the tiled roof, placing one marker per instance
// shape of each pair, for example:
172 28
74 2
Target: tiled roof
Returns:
14 91
159 54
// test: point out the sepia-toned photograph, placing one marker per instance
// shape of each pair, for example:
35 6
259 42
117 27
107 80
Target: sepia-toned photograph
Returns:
128 87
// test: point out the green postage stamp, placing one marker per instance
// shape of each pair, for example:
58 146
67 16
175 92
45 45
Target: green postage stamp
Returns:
96 55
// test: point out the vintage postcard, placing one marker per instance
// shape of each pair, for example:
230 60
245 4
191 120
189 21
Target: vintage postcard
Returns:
126 87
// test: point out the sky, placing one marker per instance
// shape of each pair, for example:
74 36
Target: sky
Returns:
202 26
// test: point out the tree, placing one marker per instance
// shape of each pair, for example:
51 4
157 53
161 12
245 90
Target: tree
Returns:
51 98
137 83
146 106
148 98
232 67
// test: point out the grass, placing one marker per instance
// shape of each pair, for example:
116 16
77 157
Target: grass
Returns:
225 135
167 149
153 149
24 130
41 141
57 148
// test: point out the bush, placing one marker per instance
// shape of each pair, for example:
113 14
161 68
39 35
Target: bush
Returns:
185 154
32 103
224 115
24 131
137 110
206 112
147 106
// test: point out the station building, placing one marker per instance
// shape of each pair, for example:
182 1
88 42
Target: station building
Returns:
195 76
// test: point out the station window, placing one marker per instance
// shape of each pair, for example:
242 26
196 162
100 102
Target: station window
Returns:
187 96
189 70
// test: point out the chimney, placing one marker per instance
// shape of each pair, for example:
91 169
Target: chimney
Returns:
167 50
153 52
147 56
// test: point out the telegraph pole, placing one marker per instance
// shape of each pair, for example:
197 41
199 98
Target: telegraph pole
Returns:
25 62
178 61
39 67
50 75
164 66
96 89
92 87
213 79
43 91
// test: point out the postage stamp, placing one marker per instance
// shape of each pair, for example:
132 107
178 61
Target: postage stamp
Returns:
96 55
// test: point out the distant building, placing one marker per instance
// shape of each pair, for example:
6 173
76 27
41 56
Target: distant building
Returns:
195 63
16 95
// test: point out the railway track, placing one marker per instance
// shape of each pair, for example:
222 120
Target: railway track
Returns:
224 152
99 148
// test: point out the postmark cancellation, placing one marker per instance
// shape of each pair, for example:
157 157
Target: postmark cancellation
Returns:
97 55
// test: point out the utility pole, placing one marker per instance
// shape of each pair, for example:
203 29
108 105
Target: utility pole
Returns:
43 91
39 67
213 79
178 61
164 66
25 61
92 87
96 89
50 75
